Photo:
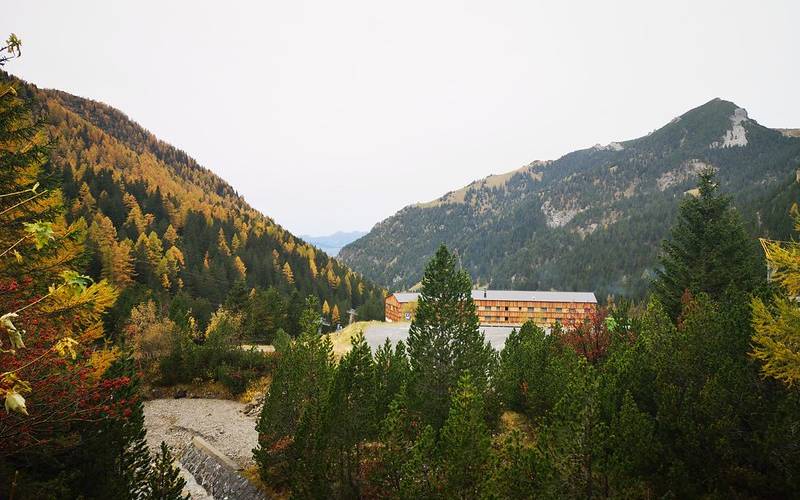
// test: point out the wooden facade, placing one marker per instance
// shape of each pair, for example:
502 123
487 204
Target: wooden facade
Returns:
510 308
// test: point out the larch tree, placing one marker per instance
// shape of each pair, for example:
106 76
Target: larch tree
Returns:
288 274
777 325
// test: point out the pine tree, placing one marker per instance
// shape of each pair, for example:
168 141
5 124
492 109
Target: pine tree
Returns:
514 469
464 444
444 340
164 481
420 474
351 416
300 381
708 250
391 376
118 446
397 435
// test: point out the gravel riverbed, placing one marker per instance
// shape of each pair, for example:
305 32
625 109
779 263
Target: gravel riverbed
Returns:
226 425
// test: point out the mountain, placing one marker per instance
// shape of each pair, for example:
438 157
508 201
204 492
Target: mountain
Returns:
161 225
332 243
592 219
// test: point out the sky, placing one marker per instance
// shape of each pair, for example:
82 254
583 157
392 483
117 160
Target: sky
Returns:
334 115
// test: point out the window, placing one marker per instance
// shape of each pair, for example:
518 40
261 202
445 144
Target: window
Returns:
506 318
544 309
558 309
506 308
530 309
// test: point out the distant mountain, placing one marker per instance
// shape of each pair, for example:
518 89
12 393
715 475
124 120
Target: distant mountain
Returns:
592 219
184 230
332 243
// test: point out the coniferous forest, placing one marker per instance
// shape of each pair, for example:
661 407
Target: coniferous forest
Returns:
688 394
130 274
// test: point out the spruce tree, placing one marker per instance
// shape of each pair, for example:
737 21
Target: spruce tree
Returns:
708 250
444 340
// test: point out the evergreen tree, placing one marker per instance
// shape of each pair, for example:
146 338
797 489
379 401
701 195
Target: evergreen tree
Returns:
238 297
420 474
118 446
391 375
464 445
534 371
300 381
444 340
397 437
351 416
164 481
708 250
514 469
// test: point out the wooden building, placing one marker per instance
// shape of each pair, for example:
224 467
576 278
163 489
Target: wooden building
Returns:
509 307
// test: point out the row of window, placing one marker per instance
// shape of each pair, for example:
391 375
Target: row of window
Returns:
504 319
531 309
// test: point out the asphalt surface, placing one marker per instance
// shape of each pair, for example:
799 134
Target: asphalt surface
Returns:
376 335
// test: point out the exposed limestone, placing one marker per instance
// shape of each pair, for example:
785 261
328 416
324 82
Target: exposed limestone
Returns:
686 171
611 146
556 217
737 135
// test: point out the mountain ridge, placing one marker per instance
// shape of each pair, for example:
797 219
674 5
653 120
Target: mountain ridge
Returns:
551 224
183 230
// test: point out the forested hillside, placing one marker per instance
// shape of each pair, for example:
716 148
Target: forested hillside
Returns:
592 219
163 227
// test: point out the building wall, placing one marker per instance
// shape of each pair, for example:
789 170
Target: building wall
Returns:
511 313
498 312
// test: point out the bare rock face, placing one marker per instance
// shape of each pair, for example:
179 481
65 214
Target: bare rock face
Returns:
736 135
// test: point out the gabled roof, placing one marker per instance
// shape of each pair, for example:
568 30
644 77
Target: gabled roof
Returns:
515 295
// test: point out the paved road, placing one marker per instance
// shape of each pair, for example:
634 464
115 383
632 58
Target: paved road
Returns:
377 334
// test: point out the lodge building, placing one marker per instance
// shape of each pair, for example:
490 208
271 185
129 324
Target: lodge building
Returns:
508 307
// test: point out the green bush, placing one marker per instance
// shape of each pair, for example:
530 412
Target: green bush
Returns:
235 380
218 357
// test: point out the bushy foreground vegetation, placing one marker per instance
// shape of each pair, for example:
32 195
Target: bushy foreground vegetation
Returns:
171 354
73 420
661 400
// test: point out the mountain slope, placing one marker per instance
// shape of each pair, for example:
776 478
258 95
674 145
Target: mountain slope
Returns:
161 222
592 219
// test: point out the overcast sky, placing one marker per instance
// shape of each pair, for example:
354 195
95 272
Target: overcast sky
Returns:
333 115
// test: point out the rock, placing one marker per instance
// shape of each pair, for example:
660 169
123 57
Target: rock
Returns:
181 393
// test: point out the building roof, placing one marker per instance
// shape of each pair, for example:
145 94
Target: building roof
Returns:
515 295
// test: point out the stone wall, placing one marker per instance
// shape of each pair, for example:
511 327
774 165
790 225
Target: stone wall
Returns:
218 474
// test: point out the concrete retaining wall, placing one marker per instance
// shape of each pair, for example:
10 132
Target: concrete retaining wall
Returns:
218 474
